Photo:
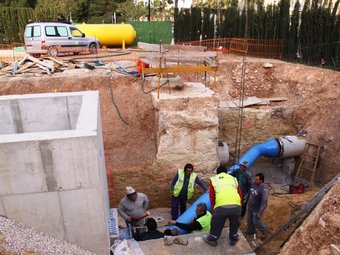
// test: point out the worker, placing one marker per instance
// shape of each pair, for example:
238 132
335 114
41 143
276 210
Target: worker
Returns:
225 197
152 232
133 207
199 224
182 189
244 181
256 205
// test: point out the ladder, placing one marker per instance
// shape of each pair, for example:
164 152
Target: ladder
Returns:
306 170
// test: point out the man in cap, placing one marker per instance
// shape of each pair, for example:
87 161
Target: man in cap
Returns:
133 207
244 181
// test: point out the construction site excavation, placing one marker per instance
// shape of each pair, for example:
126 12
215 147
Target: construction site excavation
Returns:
79 133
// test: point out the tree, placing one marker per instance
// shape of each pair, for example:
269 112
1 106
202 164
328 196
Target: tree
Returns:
292 44
13 22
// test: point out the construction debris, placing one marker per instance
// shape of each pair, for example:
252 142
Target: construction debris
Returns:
267 65
250 101
33 65
169 240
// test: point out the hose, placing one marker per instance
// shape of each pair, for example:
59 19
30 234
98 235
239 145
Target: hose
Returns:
112 99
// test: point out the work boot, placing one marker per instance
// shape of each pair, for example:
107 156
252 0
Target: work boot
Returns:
249 233
234 240
264 236
209 241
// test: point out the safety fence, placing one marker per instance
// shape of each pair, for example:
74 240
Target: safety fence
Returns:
272 48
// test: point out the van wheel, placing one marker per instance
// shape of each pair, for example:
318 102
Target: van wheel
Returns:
52 51
93 48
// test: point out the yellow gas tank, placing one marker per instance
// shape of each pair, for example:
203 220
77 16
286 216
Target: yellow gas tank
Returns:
110 34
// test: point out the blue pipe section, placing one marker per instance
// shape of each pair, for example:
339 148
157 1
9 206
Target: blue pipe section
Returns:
190 213
271 148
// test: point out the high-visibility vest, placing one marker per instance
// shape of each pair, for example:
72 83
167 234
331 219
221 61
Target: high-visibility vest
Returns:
225 187
205 222
179 184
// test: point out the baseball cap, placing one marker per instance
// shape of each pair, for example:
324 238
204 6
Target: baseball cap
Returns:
130 190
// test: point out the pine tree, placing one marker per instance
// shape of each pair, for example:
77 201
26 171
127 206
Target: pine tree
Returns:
196 22
14 20
292 45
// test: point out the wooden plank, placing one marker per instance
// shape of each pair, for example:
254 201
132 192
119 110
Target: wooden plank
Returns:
207 54
184 47
179 69
149 47
22 60
181 55
25 66
57 61
274 99
41 63
45 69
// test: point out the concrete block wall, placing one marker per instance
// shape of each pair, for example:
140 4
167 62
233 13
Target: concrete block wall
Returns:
52 167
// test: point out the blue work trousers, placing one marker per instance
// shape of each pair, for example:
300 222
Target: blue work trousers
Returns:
254 221
176 202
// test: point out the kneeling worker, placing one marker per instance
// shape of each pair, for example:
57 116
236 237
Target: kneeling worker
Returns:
133 207
199 224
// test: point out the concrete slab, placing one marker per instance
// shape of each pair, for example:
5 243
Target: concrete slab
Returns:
27 209
23 115
21 171
196 245
235 103
190 90
89 223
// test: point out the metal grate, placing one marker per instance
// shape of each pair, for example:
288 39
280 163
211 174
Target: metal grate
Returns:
113 223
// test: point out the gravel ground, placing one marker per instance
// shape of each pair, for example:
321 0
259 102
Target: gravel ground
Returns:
20 239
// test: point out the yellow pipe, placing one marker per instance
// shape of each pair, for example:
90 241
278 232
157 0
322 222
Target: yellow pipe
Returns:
110 34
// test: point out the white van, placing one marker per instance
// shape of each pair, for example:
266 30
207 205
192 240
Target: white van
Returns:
54 38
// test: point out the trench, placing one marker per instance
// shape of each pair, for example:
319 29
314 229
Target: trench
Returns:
132 130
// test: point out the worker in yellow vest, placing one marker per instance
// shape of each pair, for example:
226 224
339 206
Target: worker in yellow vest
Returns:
182 189
199 224
225 197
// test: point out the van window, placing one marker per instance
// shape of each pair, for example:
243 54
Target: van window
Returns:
76 32
62 31
28 32
50 31
32 31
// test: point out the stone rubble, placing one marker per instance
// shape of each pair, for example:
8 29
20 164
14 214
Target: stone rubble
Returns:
20 239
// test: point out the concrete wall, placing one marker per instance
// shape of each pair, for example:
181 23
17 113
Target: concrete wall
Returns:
24 115
52 168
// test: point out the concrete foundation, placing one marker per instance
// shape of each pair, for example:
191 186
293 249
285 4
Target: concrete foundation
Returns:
52 168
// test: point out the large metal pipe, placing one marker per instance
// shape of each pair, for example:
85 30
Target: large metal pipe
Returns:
281 147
